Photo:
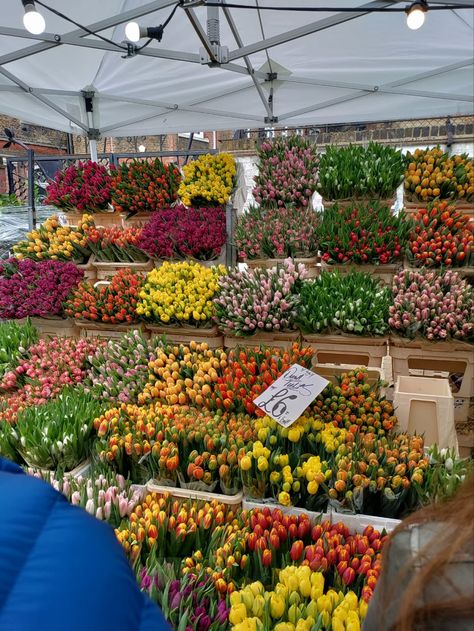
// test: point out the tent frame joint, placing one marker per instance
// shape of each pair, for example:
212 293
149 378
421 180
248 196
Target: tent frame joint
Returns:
271 120
93 133
271 76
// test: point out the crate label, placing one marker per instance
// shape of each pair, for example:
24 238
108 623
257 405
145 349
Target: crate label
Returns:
289 396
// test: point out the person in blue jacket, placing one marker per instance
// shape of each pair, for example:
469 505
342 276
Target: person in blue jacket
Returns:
60 568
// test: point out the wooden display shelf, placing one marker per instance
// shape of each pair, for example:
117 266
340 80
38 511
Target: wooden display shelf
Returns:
273 339
101 218
107 269
311 264
466 208
55 327
90 272
184 334
343 203
105 331
347 349
220 260
384 272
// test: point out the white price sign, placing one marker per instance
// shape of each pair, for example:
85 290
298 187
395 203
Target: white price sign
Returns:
289 396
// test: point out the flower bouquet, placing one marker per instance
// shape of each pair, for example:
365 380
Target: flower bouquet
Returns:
288 173
259 300
432 173
116 245
354 303
144 186
80 187
208 180
356 172
277 233
181 232
29 288
110 303
57 434
442 236
56 242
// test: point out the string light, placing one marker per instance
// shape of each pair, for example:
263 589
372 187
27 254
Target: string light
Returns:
33 21
416 14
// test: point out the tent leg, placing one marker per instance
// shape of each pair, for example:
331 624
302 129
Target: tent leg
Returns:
31 190
93 149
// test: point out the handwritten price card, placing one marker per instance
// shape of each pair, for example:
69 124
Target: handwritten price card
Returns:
289 396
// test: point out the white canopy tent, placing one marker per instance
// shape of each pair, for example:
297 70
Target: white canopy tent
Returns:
260 68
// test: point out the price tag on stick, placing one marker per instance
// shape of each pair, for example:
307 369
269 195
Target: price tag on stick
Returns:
289 396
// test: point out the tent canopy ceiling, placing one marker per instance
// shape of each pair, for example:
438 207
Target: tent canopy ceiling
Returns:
282 68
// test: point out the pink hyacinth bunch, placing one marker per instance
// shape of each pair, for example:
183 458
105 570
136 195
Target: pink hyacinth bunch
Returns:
277 233
85 186
50 367
436 305
259 300
288 172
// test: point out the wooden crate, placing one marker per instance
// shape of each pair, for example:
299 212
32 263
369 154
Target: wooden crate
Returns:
55 327
137 220
90 272
104 219
105 331
443 359
464 271
347 349
270 340
106 269
343 203
220 260
184 335
466 208
384 272
311 264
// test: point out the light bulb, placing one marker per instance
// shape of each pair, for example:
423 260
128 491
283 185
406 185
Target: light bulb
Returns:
416 15
132 32
142 148
33 21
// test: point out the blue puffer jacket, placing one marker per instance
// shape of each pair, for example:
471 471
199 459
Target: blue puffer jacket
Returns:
60 568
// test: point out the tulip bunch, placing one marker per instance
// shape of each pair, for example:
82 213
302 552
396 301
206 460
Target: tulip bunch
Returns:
108 497
248 373
277 233
143 186
356 172
288 172
116 244
42 375
445 474
118 372
432 173
172 529
442 236
28 288
180 293
55 435
435 305
259 300
190 600
362 233
351 303
15 341
181 232
114 303
56 242
83 186
208 180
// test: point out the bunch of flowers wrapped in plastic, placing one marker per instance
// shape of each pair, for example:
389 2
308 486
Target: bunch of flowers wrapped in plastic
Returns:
181 232
144 186
115 244
30 288
15 342
113 303
54 241
208 180
259 300
288 172
435 305
180 293
277 233
83 186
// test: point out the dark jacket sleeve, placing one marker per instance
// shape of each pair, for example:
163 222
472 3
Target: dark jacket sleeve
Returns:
60 568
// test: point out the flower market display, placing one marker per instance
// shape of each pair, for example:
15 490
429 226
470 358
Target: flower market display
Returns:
144 186
362 233
181 232
277 233
287 175
229 519
81 187
179 293
442 237
114 302
355 172
432 173
208 180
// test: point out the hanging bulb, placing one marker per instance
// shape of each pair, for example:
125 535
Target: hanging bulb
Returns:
32 20
416 14
132 32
